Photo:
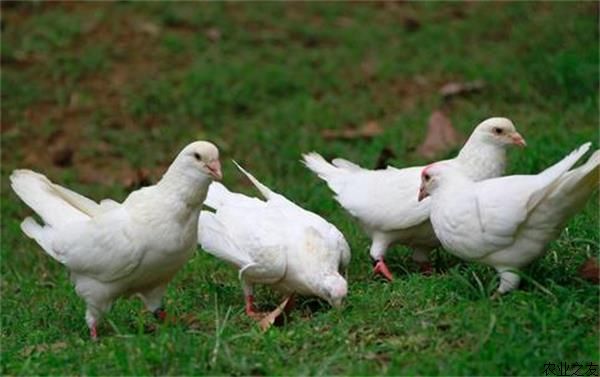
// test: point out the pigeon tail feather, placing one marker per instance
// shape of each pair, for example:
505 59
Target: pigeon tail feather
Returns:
264 190
561 167
54 204
575 187
345 164
320 166
41 234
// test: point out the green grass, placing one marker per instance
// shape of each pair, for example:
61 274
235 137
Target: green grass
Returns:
128 84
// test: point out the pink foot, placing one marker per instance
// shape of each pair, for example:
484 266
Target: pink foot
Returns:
94 332
381 269
426 268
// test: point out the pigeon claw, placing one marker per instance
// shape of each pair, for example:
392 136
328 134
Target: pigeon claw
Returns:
381 269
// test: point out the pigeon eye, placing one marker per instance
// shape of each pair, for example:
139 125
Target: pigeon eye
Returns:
497 130
197 156
427 177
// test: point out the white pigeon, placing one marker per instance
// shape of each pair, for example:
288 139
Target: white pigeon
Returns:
507 222
274 242
384 201
117 249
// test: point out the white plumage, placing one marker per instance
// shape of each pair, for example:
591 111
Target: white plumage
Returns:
507 222
274 242
385 202
117 249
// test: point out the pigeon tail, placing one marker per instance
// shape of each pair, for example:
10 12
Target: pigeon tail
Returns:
574 188
41 234
56 205
561 167
320 166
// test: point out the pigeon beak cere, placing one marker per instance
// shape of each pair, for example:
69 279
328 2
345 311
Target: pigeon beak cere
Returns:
214 167
517 139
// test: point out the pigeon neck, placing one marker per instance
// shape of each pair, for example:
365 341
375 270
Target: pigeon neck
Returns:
482 160
185 186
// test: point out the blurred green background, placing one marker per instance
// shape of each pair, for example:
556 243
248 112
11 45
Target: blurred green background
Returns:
101 96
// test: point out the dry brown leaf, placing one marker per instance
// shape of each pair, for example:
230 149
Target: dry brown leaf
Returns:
267 321
191 321
454 88
149 28
213 34
590 271
38 348
441 136
368 130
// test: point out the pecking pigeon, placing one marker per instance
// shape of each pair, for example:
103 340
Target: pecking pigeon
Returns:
274 242
506 222
115 249
385 202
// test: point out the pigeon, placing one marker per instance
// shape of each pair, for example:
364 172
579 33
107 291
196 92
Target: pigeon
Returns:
385 203
507 222
114 249
274 242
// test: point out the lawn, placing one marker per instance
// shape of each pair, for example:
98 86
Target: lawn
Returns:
101 96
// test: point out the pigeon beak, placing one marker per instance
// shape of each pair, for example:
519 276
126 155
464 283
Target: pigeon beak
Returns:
422 193
214 167
517 139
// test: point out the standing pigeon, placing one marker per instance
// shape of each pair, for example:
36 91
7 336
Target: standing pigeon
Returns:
384 201
506 222
117 249
274 242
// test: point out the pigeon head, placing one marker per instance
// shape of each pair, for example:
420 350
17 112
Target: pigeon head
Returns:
333 289
200 156
438 175
498 131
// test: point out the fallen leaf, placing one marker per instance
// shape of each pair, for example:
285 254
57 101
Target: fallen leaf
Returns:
38 348
267 321
441 136
453 89
191 321
149 28
369 67
368 130
61 149
590 271
411 24
213 34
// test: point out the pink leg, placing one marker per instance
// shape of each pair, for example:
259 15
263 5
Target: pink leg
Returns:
250 306
381 269
426 268
290 304
94 332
